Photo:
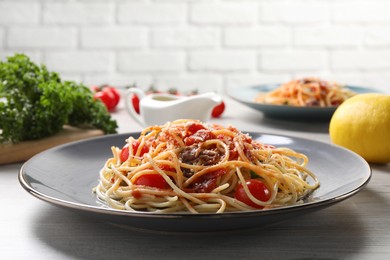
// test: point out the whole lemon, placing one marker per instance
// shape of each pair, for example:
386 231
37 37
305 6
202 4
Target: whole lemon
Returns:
362 124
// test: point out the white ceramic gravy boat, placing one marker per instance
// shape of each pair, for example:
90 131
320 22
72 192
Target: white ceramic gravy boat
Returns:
157 109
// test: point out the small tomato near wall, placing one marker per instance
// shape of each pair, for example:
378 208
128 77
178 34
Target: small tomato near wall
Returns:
109 95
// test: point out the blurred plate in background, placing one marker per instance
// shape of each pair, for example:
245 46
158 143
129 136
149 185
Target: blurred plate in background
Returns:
247 97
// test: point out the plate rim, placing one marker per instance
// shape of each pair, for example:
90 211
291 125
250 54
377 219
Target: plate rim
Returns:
271 109
109 211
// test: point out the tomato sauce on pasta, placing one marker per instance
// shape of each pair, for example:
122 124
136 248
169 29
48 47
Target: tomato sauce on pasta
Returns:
307 92
190 166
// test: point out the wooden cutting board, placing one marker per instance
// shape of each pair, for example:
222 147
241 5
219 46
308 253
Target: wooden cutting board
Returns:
11 153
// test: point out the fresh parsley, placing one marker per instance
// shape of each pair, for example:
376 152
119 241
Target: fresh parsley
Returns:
36 103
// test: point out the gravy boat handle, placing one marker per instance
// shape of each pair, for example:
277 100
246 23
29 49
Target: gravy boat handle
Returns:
129 106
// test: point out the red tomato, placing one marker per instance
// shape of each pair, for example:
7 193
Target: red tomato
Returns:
114 92
207 182
107 98
152 180
218 110
200 136
95 88
257 188
144 150
192 128
135 102
165 167
205 186
124 155
110 96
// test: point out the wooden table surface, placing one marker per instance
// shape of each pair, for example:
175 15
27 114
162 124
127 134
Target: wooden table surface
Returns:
356 228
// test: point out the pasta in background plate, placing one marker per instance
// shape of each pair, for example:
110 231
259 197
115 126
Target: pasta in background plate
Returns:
307 92
189 166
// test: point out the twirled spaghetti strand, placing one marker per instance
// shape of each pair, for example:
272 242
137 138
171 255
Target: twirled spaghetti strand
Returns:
188 166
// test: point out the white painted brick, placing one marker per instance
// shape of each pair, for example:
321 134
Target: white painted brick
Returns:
119 80
376 80
224 13
261 36
360 59
377 36
187 83
113 37
78 13
185 37
294 11
151 61
33 55
2 37
371 79
78 61
205 43
42 37
366 11
333 36
71 77
350 78
293 60
224 61
156 13
12 13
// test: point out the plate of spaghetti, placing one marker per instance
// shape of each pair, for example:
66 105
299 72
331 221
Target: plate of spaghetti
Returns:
186 175
306 98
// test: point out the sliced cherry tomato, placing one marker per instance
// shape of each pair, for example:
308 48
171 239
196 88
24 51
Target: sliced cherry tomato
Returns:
207 182
214 174
218 110
135 102
200 136
124 154
205 186
152 180
257 188
144 150
166 167
192 128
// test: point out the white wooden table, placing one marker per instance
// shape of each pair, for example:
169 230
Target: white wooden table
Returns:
357 228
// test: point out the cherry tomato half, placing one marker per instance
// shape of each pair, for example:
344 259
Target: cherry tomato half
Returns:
257 188
124 155
218 110
207 182
152 180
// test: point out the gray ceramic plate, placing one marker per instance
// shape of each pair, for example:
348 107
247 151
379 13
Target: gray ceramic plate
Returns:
247 96
65 176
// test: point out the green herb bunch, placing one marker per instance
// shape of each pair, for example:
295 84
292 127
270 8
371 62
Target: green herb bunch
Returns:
35 103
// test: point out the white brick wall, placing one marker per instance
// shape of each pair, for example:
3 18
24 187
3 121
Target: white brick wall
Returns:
202 44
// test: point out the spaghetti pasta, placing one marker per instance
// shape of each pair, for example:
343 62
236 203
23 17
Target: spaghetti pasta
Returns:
307 92
189 166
